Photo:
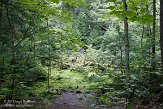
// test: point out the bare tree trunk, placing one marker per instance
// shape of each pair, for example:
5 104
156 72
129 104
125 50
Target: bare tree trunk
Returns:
149 34
126 51
13 61
1 8
1 15
34 49
49 66
120 48
142 36
161 31
153 62
126 40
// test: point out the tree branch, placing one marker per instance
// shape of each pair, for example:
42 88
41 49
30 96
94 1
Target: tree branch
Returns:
24 36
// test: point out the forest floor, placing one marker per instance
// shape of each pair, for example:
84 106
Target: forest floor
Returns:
69 100
71 90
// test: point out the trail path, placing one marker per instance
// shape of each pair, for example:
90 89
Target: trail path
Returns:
69 100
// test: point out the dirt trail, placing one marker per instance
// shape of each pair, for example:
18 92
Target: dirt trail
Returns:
70 100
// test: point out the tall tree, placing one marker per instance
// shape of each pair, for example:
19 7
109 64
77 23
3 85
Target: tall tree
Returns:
153 36
161 31
49 56
1 8
126 47
13 61
126 39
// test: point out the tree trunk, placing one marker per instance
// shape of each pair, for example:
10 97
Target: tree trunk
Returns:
142 36
126 40
153 62
149 34
120 48
13 61
161 31
126 51
1 8
34 49
1 15
49 66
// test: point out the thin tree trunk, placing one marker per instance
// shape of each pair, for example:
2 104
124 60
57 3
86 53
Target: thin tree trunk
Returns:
126 51
142 36
126 40
161 31
34 50
1 15
153 64
1 8
120 48
49 66
13 61
149 34
141 46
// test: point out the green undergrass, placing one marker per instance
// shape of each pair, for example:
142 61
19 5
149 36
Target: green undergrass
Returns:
63 80
67 80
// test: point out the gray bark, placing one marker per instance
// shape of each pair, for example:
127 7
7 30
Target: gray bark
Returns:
126 40
161 31
153 64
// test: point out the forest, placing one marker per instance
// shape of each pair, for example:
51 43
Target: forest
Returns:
81 54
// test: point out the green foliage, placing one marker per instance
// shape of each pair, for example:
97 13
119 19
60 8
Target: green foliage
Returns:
37 34
111 0
55 1
135 12
4 93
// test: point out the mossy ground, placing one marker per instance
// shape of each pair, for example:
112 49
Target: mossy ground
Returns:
89 80
63 80
72 80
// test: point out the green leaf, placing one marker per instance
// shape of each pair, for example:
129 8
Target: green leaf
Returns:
143 10
128 14
111 0
116 13
111 7
55 1
135 18
148 16
119 2
147 19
